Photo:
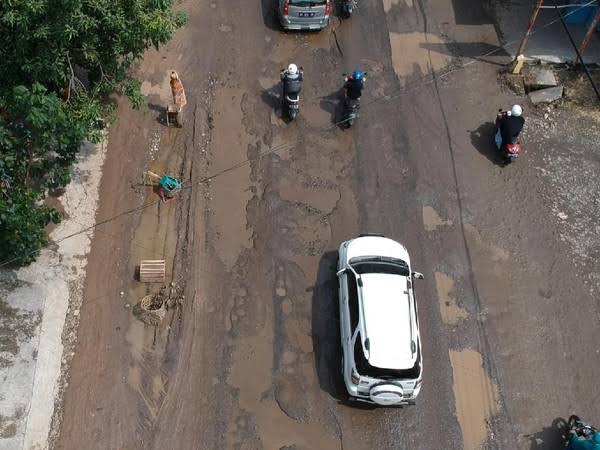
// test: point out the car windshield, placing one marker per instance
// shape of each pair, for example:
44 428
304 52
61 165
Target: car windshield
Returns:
364 368
307 2
379 264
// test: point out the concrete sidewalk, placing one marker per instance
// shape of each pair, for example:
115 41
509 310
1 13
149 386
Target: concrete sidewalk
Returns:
549 41
39 310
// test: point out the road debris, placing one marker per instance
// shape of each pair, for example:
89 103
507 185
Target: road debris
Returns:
153 308
547 95
538 77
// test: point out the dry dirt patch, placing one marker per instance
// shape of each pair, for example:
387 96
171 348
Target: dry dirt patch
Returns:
475 394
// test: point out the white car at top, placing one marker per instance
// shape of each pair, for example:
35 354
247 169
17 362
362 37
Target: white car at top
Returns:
381 345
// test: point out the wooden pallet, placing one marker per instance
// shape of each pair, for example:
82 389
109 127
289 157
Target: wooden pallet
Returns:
152 271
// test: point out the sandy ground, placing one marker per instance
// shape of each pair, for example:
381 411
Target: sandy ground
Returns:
250 358
40 311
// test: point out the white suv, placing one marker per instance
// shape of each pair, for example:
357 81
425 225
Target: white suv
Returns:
381 345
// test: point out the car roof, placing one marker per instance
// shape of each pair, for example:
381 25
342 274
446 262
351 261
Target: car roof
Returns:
387 321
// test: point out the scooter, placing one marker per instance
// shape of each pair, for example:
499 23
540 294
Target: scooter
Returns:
348 7
509 150
292 105
291 99
581 435
351 106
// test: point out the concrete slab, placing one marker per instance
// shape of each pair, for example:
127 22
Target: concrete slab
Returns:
538 77
548 41
547 95
39 306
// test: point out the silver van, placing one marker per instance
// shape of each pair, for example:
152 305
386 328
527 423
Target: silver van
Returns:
304 14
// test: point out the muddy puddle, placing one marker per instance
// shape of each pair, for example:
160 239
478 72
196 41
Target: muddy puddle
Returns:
230 190
321 198
389 4
451 312
476 397
160 90
484 249
432 220
251 374
411 53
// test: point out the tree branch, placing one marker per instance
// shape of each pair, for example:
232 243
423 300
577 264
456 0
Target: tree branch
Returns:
73 79
70 79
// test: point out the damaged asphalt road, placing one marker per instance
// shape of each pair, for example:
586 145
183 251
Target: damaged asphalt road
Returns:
251 357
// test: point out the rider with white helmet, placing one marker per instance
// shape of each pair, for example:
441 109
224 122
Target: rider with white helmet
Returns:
291 79
292 71
511 124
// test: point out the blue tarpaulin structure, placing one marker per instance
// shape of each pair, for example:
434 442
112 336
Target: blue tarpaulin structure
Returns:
579 14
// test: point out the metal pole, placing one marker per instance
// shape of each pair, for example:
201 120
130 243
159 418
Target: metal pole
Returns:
588 36
587 72
538 6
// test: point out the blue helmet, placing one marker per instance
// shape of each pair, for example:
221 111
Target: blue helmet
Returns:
357 74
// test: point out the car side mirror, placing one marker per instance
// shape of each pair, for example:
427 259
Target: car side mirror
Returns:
418 275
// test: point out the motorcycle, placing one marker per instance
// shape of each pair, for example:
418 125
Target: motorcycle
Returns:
348 7
581 435
351 107
292 105
509 150
291 97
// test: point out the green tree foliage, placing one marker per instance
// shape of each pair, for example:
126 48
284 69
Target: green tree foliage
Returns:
60 60
23 219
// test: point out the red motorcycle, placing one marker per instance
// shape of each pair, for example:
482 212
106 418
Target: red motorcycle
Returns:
509 150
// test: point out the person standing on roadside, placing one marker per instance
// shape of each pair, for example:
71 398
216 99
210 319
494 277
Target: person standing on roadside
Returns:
177 91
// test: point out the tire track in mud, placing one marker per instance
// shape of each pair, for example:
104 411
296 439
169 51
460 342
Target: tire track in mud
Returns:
471 423
294 193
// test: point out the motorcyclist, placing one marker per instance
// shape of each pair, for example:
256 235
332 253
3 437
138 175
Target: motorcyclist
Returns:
291 78
509 125
590 441
354 85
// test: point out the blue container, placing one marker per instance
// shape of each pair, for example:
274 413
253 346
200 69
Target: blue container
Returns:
578 14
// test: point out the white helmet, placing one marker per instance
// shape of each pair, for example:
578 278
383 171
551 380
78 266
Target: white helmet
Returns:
292 69
516 111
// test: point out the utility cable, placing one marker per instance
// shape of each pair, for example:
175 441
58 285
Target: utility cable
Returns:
587 72
416 84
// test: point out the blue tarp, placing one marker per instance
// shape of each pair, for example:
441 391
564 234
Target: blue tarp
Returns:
579 14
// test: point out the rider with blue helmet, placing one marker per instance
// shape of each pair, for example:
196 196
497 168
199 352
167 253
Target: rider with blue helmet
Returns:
354 84
357 74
